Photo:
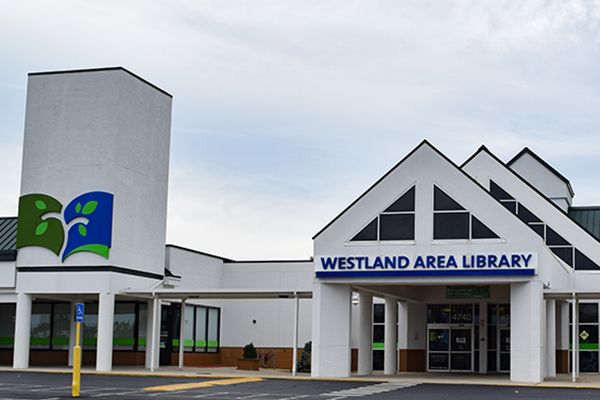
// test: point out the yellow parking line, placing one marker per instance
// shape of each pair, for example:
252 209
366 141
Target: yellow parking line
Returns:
194 385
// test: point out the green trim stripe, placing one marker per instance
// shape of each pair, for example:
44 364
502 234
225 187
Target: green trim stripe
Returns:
586 346
123 342
60 341
188 343
142 342
200 343
378 346
176 342
90 341
7 340
213 343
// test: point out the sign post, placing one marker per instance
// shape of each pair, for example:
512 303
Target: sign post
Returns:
77 351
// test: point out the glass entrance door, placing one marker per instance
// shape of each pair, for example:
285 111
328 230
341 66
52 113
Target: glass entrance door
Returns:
450 348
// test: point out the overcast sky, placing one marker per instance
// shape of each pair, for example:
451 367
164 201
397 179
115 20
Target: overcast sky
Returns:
285 111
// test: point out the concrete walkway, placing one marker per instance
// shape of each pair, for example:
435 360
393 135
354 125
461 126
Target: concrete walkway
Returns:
591 381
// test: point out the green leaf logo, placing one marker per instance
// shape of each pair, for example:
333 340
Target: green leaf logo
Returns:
40 205
89 207
82 230
41 228
78 208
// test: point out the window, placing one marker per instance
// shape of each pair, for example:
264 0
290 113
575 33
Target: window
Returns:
556 243
587 337
7 325
201 329
452 221
41 325
397 222
124 326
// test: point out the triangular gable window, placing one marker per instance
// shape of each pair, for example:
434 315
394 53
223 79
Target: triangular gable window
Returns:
453 221
397 222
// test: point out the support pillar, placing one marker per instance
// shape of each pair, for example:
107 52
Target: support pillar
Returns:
550 338
527 337
106 317
149 333
22 331
181 332
483 337
365 333
390 351
403 337
331 330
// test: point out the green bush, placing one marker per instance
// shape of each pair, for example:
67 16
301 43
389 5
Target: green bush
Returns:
304 362
249 351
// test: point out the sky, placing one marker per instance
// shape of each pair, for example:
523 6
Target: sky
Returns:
284 112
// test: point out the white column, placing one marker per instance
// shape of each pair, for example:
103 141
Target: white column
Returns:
365 334
149 332
550 338
181 333
527 339
22 331
295 343
402 336
331 330
483 337
106 317
575 336
155 344
390 351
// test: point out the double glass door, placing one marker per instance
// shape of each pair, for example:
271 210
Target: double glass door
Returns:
450 348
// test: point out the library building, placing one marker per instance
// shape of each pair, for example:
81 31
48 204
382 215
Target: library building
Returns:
482 267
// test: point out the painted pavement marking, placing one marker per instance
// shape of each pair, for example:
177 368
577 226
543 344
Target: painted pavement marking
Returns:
369 390
195 385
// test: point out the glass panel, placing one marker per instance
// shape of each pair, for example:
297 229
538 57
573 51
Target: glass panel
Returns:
492 360
188 329
527 215
461 314
443 202
451 226
504 340
213 330
504 361
582 262
492 311
460 361
492 338
378 333
564 253
554 239
397 227
461 340
476 340
588 337
404 203
7 325
438 314
369 232
438 361
588 361
378 358
200 340
379 313
90 326
588 312
498 192
511 205
124 326
480 231
143 307
476 361
40 325
504 314
438 339
61 326
538 228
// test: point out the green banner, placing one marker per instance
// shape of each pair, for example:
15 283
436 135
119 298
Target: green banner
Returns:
467 292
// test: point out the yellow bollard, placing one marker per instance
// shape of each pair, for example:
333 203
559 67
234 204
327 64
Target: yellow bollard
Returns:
77 364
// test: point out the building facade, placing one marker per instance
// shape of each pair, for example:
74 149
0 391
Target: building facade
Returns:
484 267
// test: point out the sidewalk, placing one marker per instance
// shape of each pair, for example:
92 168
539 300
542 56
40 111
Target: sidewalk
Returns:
591 381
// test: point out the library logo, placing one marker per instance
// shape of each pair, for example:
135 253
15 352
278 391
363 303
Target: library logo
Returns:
89 214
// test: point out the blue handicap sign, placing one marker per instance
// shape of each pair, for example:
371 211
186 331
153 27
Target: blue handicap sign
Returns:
79 312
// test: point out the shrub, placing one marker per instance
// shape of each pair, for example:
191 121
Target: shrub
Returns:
249 351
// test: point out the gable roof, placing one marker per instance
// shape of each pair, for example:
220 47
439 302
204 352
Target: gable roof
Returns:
528 151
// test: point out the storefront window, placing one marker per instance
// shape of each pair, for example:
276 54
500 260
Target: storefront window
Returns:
40 325
124 326
213 330
201 329
142 326
61 326
7 325
90 326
